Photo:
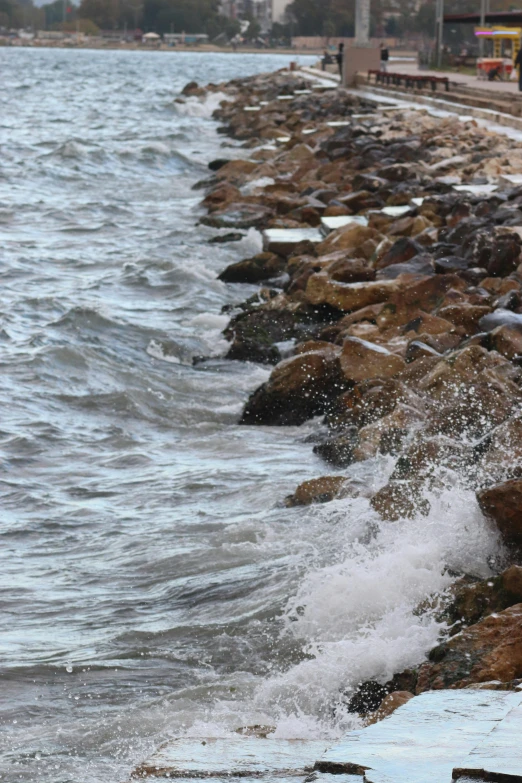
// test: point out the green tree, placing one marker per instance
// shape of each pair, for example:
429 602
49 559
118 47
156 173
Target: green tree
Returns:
106 14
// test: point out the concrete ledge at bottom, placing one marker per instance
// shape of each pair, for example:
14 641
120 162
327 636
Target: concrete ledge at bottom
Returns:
427 738
241 756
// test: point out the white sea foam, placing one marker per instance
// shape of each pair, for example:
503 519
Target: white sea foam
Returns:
201 107
357 614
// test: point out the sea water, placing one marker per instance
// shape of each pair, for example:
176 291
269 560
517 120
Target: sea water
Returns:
152 584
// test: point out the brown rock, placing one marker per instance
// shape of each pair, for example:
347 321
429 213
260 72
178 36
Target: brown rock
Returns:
319 490
253 270
347 238
507 340
400 499
321 289
350 270
488 650
236 171
299 388
386 434
361 360
389 704
465 316
503 504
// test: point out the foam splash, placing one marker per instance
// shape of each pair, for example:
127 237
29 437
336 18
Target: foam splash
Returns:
201 107
358 615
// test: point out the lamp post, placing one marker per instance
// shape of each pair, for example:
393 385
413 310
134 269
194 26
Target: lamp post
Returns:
440 29
362 22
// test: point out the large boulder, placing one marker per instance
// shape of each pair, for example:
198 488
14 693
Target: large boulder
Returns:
489 650
239 215
253 270
503 504
321 490
298 389
361 360
321 289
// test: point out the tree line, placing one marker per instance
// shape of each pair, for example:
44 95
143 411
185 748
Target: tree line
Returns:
329 18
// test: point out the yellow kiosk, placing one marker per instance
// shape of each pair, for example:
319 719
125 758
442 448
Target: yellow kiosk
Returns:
503 38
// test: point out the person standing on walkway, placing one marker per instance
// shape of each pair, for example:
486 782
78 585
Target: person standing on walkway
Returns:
340 59
385 56
518 64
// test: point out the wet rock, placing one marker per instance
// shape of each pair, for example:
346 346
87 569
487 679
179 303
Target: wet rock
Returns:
217 164
361 360
367 698
321 289
450 264
338 450
399 500
320 490
465 315
400 252
222 239
220 195
420 265
190 88
239 215
388 706
503 503
254 270
417 349
299 388
427 454
347 238
489 650
474 600
254 332
507 340
498 318
350 270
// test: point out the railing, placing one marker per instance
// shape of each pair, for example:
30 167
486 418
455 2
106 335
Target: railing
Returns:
410 80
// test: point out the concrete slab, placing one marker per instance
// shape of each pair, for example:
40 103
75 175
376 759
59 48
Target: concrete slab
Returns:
232 757
499 756
476 190
329 224
420 742
283 240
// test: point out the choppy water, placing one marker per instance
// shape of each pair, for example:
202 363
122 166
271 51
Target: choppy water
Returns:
150 584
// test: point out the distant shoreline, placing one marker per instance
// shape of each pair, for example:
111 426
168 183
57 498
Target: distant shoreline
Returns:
173 49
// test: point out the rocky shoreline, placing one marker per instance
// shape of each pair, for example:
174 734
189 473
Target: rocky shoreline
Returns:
402 327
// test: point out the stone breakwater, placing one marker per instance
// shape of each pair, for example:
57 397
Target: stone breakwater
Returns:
402 327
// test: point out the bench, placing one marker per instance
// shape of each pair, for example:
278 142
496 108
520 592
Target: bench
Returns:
410 80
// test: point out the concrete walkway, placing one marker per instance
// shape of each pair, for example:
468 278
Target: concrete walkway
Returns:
458 78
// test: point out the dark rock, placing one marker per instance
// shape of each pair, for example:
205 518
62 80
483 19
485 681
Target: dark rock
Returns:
419 265
224 238
450 264
416 349
338 450
500 317
401 251
254 270
242 215
367 698
298 389
217 164
503 503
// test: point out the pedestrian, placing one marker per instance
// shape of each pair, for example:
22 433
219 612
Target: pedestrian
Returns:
340 58
385 56
518 64
326 60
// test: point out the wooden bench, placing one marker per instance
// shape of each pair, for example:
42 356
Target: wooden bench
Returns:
410 80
